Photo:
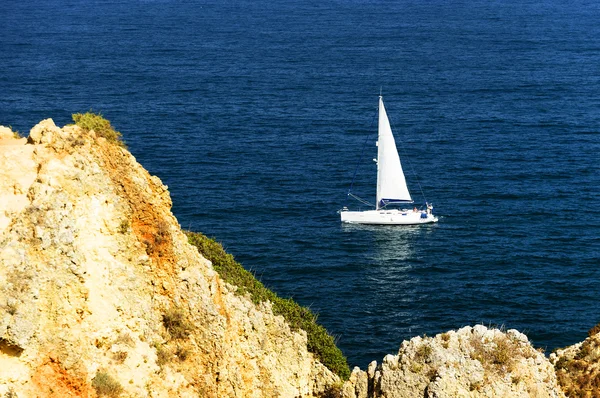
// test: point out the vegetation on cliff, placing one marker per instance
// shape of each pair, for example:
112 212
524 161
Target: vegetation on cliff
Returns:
106 386
16 134
577 367
102 127
320 343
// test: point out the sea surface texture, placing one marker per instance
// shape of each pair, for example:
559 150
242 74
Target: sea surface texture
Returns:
257 113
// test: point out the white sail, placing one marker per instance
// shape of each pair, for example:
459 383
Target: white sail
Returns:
391 184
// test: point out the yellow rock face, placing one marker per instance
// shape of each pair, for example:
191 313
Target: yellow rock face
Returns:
95 274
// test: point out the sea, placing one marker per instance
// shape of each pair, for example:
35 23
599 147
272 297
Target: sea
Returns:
258 115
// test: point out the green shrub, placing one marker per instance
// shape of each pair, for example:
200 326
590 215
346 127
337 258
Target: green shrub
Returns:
106 385
94 121
320 343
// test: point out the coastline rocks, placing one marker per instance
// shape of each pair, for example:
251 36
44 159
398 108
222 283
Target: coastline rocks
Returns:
45 132
578 367
470 362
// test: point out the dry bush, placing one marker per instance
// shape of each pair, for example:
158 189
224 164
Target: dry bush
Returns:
182 353
163 354
176 323
579 375
445 339
106 385
594 330
498 354
423 352
124 227
125 338
120 356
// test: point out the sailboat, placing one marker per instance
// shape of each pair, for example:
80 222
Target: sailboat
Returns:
391 186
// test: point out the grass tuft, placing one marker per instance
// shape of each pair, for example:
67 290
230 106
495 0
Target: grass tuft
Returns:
499 354
320 342
163 354
176 323
182 353
16 134
593 331
11 392
106 385
124 227
445 340
120 356
424 352
95 121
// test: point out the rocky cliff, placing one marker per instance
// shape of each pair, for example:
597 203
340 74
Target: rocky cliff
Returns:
470 362
101 294
100 291
578 367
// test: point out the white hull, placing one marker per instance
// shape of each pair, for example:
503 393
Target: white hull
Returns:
387 217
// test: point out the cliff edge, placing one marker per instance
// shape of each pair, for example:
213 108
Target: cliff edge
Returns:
101 294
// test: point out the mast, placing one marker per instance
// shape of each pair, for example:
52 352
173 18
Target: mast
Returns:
382 113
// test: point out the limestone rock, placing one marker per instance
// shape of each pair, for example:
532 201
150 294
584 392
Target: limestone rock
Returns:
357 386
98 282
45 132
578 367
470 362
6 133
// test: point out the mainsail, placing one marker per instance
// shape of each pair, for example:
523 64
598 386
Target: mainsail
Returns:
391 184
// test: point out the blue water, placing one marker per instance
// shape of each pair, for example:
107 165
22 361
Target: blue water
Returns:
255 114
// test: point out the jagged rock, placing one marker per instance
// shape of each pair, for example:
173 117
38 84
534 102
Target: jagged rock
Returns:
470 362
357 386
578 367
45 132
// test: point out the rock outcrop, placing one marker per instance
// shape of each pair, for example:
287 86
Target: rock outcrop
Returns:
100 292
470 362
578 367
